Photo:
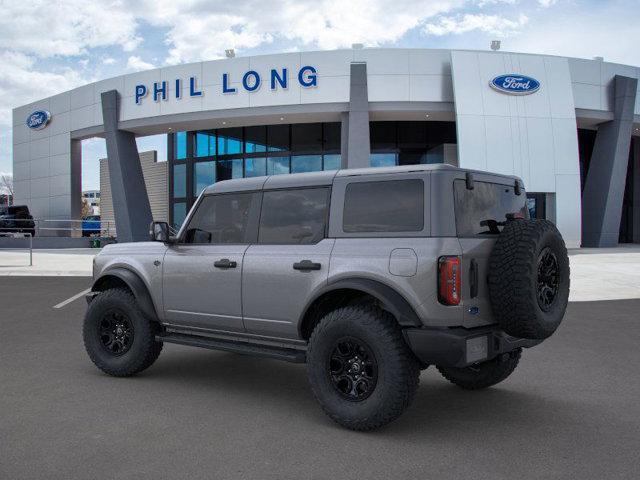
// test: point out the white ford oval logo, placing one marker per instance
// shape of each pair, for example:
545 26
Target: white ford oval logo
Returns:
38 119
515 84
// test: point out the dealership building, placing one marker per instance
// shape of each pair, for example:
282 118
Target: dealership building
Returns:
568 127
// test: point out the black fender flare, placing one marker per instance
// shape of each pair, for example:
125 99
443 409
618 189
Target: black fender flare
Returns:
135 284
391 300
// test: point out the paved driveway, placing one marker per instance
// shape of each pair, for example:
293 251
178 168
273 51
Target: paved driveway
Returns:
571 410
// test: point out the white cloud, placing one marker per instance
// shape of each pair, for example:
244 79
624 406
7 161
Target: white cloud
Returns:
547 3
491 24
325 24
135 63
108 61
46 28
21 83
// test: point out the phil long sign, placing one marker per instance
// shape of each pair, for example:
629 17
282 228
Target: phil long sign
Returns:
515 84
250 81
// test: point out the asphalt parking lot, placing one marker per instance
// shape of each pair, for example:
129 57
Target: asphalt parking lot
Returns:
571 410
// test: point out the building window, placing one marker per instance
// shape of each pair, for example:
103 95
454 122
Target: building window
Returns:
255 139
383 159
229 141
205 144
228 169
332 162
255 167
204 174
407 143
179 213
277 165
306 163
180 146
180 180
201 158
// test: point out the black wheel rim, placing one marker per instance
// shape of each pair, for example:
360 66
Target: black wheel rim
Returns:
115 333
353 369
548 279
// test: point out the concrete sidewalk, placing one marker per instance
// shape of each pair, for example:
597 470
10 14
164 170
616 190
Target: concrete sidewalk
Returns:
596 274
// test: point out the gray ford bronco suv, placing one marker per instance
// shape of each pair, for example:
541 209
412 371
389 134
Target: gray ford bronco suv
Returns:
366 275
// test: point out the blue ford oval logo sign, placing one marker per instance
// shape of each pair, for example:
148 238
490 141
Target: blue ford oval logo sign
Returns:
38 119
515 84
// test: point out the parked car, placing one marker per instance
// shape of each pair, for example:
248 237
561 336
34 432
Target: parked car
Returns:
367 275
17 219
91 225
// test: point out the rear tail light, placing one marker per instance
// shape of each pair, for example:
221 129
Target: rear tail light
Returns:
449 280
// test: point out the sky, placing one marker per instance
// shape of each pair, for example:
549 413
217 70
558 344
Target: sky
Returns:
48 47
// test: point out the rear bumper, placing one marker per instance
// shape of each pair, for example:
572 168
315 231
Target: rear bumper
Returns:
461 347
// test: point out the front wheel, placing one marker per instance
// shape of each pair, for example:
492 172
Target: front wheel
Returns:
485 374
361 371
119 339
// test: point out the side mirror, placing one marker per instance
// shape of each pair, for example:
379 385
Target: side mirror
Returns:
159 232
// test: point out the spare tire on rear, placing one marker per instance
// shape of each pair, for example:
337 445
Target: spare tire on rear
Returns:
529 278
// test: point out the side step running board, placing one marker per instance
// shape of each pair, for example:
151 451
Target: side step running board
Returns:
279 353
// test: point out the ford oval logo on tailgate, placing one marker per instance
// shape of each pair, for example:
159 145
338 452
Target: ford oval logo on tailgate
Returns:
38 119
515 84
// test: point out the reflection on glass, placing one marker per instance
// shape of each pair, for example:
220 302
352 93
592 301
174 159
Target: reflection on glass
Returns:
255 139
277 165
332 162
204 174
179 214
228 169
205 144
180 146
383 159
278 137
306 163
180 180
255 167
229 141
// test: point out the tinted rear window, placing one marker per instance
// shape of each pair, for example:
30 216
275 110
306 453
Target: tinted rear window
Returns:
387 206
483 210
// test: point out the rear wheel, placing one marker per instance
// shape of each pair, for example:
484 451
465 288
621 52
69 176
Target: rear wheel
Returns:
360 369
483 375
119 339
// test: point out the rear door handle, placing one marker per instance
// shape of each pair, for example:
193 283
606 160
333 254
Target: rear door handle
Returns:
306 265
225 263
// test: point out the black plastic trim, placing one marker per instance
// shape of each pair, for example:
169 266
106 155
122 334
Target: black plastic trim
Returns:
279 353
447 347
391 300
135 284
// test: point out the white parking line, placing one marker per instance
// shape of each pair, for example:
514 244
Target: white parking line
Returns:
75 297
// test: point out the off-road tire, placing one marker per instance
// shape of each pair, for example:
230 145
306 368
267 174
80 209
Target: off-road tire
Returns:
144 349
514 278
484 374
398 371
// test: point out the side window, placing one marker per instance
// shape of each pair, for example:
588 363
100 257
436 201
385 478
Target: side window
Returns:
297 216
220 219
384 206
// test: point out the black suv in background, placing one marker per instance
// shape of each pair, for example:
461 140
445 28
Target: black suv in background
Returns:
17 219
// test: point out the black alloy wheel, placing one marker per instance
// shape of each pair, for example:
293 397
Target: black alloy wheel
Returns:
116 332
353 369
548 281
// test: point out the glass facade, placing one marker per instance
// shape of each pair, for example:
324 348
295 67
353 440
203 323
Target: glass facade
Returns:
201 158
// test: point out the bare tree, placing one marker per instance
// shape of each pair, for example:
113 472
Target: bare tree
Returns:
6 186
